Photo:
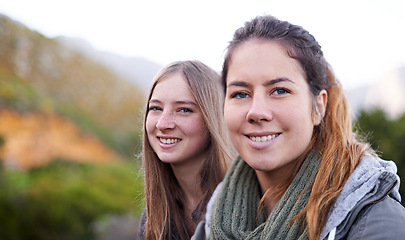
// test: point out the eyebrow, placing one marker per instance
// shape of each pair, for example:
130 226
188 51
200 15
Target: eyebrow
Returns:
186 102
271 82
176 102
267 83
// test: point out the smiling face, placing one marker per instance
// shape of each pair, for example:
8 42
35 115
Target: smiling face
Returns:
268 107
174 124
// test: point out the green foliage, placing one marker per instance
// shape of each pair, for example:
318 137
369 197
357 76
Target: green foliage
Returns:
386 136
63 199
18 95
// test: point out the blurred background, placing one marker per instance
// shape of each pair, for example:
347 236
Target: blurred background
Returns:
73 79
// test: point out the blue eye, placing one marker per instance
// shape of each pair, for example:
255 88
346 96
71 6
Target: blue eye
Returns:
185 110
239 95
154 108
280 91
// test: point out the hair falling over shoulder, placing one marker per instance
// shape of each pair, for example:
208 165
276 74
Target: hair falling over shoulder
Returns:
340 153
164 198
333 138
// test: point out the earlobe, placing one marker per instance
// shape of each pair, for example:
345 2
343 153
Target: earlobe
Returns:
321 102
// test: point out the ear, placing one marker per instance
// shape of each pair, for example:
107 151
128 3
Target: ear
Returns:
320 107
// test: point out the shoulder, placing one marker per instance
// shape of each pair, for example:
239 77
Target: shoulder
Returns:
203 227
141 227
381 220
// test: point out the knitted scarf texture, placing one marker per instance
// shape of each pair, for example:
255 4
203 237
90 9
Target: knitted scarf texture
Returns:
235 209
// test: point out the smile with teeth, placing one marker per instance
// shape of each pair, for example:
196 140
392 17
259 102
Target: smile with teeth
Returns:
263 138
169 140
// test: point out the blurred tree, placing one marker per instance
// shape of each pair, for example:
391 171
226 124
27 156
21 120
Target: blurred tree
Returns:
63 199
386 136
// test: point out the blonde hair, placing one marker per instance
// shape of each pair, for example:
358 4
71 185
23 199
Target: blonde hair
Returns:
333 138
163 194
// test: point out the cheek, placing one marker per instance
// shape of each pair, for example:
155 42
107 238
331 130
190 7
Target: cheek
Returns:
227 115
231 125
230 117
150 125
199 132
194 126
201 128
304 117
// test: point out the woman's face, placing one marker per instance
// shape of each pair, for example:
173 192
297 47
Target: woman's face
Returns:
268 106
174 124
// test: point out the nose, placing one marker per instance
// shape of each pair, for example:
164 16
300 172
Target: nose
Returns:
260 110
165 122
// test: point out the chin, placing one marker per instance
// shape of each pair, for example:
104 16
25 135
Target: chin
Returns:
258 166
167 160
263 165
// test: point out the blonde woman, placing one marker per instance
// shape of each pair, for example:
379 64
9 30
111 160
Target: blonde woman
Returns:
185 149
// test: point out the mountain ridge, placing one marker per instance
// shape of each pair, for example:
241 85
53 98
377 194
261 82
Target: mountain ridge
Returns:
136 70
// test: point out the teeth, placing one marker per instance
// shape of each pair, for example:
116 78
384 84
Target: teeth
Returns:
263 138
169 140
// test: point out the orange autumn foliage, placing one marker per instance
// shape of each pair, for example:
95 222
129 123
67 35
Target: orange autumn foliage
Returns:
35 139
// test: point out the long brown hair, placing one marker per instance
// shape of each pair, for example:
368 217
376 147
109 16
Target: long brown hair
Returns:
333 138
163 195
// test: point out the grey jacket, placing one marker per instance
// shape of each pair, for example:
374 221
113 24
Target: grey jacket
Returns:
367 208
369 205
141 227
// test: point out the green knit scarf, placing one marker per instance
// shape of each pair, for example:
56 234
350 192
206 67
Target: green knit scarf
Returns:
235 209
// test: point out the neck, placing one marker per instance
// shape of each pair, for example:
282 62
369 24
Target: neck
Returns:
189 182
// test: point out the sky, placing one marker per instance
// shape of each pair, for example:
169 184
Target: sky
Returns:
363 40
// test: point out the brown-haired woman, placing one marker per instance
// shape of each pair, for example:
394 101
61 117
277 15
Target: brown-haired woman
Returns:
185 149
301 173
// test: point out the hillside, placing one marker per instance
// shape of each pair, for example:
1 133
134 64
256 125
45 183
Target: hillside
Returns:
34 139
42 76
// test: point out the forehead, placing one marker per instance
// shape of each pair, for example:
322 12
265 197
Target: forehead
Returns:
173 86
260 58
